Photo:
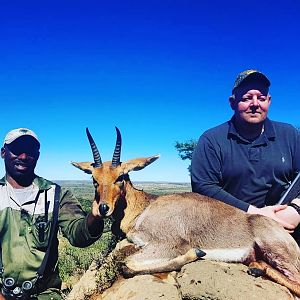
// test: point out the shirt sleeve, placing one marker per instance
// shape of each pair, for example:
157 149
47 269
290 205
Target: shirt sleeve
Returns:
206 175
73 222
296 157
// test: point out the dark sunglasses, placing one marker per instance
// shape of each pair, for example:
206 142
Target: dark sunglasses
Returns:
18 149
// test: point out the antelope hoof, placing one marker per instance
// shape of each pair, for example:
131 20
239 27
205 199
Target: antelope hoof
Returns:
103 209
199 253
255 272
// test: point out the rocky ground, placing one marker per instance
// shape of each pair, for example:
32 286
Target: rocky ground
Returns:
200 280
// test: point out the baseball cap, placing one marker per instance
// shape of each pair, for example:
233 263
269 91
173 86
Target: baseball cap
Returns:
16 133
250 75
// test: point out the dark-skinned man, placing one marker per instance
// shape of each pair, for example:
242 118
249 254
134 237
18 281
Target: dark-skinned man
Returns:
32 209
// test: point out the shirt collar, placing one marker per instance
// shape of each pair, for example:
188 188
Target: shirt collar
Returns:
269 131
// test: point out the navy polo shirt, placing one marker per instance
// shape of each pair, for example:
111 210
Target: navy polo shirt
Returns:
227 167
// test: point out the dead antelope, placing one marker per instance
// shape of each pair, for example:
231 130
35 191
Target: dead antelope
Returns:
176 229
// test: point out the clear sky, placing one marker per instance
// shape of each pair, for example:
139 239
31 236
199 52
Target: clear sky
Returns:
160 70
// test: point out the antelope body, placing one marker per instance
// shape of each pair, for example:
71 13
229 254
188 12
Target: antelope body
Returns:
172 230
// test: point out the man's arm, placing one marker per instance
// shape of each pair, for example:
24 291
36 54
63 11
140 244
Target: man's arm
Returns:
206 174
285 214
288 214
80 228
292 195
206 180
279 213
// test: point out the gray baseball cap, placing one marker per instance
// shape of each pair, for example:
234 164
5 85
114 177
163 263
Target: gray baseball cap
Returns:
16 133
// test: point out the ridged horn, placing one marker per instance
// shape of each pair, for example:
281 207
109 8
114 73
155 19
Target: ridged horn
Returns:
96 154
117 153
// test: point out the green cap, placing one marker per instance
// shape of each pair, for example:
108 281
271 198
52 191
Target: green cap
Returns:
250 75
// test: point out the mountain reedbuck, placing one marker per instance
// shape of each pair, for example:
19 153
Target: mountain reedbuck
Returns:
172 230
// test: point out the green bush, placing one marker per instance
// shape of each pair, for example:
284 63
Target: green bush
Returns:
73 262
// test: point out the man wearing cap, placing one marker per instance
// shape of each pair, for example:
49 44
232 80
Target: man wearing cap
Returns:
31 211
248 161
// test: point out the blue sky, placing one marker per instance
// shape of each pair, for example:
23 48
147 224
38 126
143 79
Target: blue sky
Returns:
161 71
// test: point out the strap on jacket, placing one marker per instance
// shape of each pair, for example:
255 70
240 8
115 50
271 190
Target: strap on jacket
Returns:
41 269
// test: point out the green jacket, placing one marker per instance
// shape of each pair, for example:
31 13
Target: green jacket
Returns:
22 249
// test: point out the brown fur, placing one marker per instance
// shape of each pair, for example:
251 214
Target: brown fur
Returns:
169 229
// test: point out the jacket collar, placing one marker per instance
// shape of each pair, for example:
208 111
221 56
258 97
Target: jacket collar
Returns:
41 183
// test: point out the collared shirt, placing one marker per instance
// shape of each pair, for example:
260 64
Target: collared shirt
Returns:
227 167
22 248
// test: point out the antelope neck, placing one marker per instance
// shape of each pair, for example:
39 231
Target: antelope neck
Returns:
136 201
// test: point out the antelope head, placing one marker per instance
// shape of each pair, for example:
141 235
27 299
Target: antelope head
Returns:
110 177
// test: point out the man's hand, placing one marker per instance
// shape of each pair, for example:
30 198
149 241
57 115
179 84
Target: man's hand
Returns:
2 297
95 220
290 215
280 213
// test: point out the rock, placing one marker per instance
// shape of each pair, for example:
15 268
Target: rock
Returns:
200 280
145 287
216 281
86 286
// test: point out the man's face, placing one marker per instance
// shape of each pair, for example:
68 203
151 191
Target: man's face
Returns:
20 157
251 103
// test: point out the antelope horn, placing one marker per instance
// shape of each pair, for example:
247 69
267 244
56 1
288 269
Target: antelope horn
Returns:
96 154
117 153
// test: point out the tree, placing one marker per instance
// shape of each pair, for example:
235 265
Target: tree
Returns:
186 150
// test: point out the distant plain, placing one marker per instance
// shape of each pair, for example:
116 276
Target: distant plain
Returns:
85 188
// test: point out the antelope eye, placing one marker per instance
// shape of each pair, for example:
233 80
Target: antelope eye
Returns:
119 180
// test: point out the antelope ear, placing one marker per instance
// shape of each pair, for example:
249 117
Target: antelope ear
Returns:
138 163
87 167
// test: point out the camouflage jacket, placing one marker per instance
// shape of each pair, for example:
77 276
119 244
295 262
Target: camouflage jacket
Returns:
23 249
